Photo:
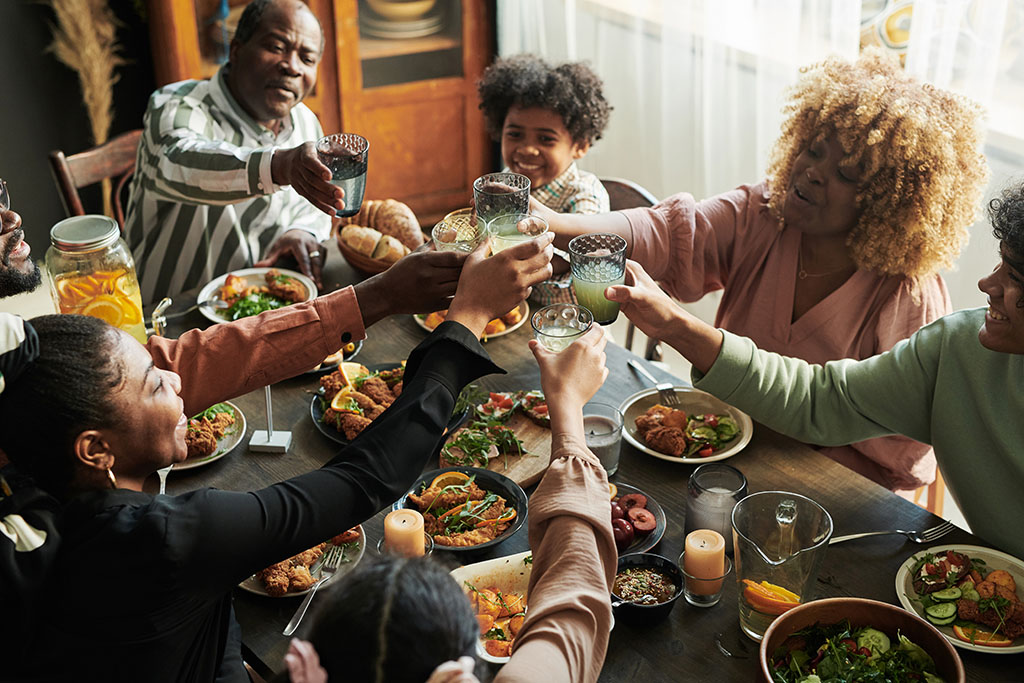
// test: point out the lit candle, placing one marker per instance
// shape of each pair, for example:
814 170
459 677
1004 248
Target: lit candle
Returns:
403 533
704 559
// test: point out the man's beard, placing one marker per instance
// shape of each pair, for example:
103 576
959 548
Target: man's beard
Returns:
14 281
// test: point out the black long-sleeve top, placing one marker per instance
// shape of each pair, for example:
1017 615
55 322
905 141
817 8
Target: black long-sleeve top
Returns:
141 590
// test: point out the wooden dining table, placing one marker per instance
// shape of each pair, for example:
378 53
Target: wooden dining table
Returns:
703 644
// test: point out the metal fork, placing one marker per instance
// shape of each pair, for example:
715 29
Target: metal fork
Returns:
665 389
332 560
925 536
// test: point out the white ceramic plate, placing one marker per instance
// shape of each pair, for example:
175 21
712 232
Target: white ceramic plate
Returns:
254 277
993 560
510 573
227 443
254 585
524 308
690 401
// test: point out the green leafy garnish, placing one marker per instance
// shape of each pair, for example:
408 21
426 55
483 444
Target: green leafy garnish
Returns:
495 633
253 304
214 410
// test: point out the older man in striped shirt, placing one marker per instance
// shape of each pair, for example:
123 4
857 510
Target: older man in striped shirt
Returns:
227 169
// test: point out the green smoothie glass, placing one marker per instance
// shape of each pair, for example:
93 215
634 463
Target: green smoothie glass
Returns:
598 261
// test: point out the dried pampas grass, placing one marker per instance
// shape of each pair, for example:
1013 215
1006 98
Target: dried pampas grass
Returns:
84 39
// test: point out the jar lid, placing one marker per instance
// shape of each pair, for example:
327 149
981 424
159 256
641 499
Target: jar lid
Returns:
84 233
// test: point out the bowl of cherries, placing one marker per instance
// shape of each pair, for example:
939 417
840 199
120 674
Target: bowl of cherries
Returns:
638 522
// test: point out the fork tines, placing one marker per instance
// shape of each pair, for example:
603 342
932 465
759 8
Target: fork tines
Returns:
937 531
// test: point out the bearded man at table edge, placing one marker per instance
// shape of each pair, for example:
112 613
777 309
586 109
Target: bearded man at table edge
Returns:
226 168
279 344
954 384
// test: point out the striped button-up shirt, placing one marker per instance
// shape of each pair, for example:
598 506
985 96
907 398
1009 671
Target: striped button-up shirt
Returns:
574 191
203 202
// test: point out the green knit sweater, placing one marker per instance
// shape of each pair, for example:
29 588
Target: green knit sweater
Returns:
941 387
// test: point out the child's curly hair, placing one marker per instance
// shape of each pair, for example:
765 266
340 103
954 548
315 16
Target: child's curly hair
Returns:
917 149
572 90
1006 212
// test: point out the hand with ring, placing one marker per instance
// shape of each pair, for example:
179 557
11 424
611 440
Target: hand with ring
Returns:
304 248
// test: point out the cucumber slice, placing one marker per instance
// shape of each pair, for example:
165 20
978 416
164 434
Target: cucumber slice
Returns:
940 622
947 594
941 614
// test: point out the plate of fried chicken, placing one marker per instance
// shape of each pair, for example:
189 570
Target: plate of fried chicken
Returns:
251 291
352 396
212 434
700 429
297 574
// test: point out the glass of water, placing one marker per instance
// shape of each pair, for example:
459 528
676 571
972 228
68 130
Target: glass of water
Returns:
510 229
598 261
559 325
495 194
346 154
457 231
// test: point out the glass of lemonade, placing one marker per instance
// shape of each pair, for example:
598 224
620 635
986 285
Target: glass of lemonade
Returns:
559 325
510 229
346 154
495 194
458 231
598 261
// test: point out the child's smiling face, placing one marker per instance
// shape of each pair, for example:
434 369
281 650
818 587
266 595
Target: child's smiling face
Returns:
536 143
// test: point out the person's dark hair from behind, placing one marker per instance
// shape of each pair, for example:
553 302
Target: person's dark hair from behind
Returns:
393 621
572 90
1006 213
63 392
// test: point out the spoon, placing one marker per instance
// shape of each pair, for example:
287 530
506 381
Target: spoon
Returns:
215 304
619 603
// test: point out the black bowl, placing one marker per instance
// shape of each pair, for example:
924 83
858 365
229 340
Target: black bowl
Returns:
648 614
487 480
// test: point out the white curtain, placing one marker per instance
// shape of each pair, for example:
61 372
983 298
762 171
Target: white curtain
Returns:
697 86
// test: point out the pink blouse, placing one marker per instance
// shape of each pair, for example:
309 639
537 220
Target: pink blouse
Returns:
731 242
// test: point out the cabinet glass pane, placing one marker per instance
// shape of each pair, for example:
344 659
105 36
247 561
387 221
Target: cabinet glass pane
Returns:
401 41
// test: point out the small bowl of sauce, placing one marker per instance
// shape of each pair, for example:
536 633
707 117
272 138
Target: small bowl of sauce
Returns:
646 587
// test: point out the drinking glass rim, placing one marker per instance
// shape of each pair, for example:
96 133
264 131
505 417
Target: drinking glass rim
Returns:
366 143
728 569
710 466
581 238
580 309
622 418
501 175
544 221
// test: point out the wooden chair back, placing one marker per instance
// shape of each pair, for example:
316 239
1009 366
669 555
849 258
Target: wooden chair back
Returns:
114 159
625 194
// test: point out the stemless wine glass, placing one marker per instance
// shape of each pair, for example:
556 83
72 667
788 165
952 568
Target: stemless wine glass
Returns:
346 154
495 194
510 229
598 261
458 231
559 325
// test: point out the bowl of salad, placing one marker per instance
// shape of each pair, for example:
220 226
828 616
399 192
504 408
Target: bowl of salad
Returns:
853 639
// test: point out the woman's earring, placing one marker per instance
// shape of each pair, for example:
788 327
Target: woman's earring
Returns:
112 478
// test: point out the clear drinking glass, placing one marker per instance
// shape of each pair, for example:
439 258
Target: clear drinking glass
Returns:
346 154
602 426
495 194
780 539
711 494
458 231
559 325
598 261
510 229
703 591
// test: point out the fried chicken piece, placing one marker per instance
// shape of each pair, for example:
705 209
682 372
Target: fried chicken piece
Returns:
668 440
429 497
346 537
647 422
275 578
308 557
333 383
285 287
677 419
498 648
494 327
199 441
371 409
515 624
512 317
1003 578
352 425
1010 623
220 424
378 391
300 578
397 390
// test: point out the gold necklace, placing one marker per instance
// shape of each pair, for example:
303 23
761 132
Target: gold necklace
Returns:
803 274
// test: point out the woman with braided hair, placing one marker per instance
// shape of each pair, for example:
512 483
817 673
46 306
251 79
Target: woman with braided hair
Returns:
869 192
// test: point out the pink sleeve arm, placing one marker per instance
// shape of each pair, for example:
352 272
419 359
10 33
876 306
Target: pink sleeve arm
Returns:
231 359
565 635
687 245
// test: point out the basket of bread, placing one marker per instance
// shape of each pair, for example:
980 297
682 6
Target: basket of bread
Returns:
382 232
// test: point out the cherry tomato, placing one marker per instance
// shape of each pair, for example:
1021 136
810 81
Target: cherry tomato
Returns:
864 651
711 420
850 644
705 452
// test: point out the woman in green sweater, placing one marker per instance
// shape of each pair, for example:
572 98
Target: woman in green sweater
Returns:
955 384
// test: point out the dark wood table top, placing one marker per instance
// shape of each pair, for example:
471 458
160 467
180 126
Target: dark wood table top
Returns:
692 642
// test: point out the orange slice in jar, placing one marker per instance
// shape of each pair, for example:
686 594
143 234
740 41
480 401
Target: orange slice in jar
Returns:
71 292
106 308
132 312
449 479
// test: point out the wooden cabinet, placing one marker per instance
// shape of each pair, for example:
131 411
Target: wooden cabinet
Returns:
408 86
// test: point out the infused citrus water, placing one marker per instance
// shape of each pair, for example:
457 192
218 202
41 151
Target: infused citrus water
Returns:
110 295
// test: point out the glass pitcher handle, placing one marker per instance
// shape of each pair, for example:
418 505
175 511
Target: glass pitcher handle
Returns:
158 318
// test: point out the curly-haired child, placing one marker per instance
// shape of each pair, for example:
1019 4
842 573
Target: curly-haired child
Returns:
870 191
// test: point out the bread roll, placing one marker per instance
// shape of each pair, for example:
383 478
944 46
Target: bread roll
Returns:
389 249
361 239
390 217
